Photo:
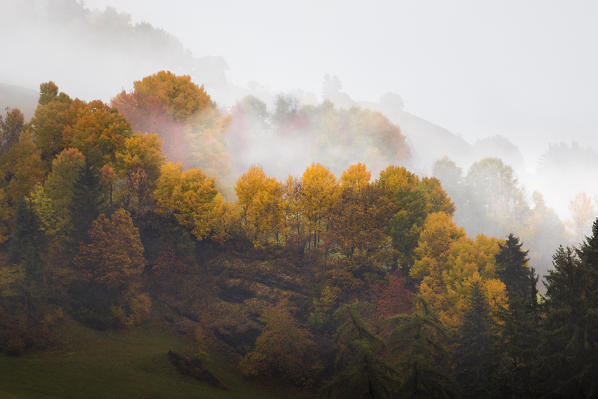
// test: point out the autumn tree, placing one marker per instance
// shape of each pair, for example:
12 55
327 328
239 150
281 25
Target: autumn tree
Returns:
192 198
48 92
293 217
438 235
394 296
99 132
447 263
10 128
112 261
114 253
205 137
183 115
283 351
95 128
162 95
437 199
318 193
53 120
139 161
357 223
408 200
260 200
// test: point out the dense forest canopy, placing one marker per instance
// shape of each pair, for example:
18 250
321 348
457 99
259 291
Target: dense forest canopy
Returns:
346 279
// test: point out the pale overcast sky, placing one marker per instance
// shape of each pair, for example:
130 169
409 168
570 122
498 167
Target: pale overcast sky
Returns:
525 69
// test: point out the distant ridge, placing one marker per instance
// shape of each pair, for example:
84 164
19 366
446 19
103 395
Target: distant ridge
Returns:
18 97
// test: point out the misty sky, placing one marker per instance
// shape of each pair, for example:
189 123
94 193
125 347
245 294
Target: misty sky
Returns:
524 69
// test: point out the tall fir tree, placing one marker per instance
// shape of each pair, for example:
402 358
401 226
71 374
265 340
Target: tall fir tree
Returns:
566 351
520 320
476 357
588 253
511 267
570 344
588 370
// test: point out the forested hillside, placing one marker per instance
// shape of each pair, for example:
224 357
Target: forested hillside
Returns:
150 213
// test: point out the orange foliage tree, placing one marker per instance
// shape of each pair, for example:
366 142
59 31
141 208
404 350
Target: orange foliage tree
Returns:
183 115
284 350
114 253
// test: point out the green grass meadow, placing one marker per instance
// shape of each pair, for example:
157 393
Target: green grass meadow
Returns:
121 364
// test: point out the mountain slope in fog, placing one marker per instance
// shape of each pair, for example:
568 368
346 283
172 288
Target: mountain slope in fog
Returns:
65 42
420 134
18 97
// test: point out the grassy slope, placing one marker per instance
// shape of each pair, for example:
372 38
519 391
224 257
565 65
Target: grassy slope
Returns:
125 364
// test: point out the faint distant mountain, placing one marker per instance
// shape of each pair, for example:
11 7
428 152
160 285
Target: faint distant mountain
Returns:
18 97
501 147
90 53
430 142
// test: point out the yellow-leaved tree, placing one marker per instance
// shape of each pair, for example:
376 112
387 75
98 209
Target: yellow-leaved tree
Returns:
260 201
447 264
191 196
356 178
358 222
293 218
319 191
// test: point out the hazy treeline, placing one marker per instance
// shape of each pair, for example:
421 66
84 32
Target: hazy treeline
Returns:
293 135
